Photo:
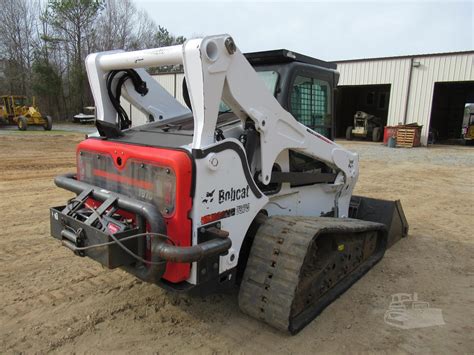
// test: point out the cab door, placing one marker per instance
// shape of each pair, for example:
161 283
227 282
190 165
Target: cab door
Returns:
310 99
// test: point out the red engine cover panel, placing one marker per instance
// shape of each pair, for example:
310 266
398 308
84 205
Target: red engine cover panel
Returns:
178 224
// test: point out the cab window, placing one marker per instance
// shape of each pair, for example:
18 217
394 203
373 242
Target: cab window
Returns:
19 101
310 104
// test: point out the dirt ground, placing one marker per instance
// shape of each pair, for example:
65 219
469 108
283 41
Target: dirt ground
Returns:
52 301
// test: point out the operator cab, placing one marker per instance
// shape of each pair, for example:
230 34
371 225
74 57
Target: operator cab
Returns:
12 102
302 85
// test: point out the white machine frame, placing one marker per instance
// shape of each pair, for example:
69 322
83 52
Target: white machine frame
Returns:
216 70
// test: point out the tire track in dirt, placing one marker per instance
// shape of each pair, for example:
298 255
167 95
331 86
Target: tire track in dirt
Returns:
72 290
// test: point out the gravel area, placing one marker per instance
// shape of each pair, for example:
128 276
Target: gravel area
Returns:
57 127
445 155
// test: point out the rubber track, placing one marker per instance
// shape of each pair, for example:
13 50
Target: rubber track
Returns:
277 255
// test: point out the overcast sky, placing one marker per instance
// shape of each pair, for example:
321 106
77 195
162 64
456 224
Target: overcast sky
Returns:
328 30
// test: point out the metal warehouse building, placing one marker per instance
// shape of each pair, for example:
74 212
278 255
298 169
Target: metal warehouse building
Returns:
429 89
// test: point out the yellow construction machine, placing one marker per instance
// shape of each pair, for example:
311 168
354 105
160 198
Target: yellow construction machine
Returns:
14 110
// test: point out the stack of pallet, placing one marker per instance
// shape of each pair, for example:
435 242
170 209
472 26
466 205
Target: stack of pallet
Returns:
408 136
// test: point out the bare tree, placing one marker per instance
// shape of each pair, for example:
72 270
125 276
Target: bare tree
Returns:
43 45
17 30
115 24
144 33
122 26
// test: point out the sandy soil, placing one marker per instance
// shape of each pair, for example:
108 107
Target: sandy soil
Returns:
52 301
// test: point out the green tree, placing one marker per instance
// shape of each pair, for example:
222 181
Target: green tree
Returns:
46 85
74 20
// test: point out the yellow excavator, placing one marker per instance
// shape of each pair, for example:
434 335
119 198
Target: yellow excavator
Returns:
14 110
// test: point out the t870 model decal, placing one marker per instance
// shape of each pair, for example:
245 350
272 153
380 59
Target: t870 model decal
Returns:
226 213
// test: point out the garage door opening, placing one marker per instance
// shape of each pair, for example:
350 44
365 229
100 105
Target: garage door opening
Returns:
372 99
447 111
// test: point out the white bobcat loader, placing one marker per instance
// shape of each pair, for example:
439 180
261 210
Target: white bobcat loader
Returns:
242 187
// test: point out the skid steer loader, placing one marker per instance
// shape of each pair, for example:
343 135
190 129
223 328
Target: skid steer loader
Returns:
255 195
366 126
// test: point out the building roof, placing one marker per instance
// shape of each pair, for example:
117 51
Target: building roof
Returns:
404 56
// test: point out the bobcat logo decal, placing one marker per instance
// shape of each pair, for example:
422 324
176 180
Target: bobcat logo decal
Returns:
209 197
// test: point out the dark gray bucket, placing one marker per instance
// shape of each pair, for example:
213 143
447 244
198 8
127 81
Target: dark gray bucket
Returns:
386 212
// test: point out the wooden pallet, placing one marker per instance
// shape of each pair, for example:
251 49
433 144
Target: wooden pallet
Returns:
406 137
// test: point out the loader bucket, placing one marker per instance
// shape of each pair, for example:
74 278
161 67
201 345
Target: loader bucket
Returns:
386 212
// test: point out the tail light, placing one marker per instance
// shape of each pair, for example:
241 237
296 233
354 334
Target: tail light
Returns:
143 180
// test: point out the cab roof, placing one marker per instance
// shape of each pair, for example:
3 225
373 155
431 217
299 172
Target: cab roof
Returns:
280 56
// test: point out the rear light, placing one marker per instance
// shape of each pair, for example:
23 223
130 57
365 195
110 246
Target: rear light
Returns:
168 193
142 180
113 228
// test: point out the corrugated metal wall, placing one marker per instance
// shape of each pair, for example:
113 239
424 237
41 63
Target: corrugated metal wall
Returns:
393 72
179 88
431 69
434 69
